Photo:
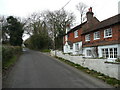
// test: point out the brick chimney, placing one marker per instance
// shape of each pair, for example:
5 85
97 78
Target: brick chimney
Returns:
89 14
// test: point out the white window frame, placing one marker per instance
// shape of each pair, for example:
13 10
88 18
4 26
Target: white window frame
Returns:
96 35
76 46
71 47
111 55
108 33
76 34
89 52
87 37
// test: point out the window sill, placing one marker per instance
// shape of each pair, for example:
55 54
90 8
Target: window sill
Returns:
87 41
96 38
75 37
108 37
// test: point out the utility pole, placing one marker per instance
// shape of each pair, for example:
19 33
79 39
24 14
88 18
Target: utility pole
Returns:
1 25
54 32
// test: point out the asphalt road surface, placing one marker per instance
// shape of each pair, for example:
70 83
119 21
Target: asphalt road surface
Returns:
37 70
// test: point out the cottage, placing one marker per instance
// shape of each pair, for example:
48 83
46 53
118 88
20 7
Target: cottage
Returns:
94 38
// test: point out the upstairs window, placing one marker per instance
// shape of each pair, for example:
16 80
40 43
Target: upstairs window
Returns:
87 37
96 35
108 33
76 34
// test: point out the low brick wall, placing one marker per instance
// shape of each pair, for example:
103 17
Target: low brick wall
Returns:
99 65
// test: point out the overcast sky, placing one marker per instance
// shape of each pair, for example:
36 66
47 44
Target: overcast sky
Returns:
102 9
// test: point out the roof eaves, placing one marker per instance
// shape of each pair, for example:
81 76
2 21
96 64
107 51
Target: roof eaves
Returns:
76 28
102 24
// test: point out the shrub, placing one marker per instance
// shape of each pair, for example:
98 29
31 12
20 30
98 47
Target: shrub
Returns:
45 50
117 60
39 42
8 52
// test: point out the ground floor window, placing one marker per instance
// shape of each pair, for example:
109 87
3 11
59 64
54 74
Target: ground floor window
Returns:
89 52
71 47
76 46
109 52
66 47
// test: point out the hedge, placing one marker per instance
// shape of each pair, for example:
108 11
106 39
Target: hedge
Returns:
9 52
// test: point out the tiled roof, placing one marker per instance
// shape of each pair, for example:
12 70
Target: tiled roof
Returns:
75 28
110 21
101 43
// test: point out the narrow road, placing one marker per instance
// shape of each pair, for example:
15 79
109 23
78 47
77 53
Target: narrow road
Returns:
37 70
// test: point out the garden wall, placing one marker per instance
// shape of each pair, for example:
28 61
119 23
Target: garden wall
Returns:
99 65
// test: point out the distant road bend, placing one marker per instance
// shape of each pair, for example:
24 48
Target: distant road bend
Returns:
37 70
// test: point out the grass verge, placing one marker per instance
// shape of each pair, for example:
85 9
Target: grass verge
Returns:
10 62
6 66
112 81
45 50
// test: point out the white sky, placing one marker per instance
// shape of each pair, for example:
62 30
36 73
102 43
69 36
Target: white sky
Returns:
102 9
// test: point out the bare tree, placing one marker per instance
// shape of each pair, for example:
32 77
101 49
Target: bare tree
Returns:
35 24
57 21
81 7
49 22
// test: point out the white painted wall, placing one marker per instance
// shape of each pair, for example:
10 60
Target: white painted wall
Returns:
98 65
77 51
100 50
85 51
108 46
66 48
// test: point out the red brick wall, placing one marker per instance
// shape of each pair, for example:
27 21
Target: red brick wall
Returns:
71 36
72 39
102 40
118 32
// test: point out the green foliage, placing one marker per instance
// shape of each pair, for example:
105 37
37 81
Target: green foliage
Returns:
57 21
45 50
27 42
8 52
52 23
3 30
59 42
10 62
39 42
117 60
15 31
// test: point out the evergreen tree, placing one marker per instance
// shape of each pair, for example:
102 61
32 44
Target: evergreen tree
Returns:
15 29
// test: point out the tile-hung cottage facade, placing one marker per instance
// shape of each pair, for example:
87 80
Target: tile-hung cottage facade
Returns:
73 40
94 38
